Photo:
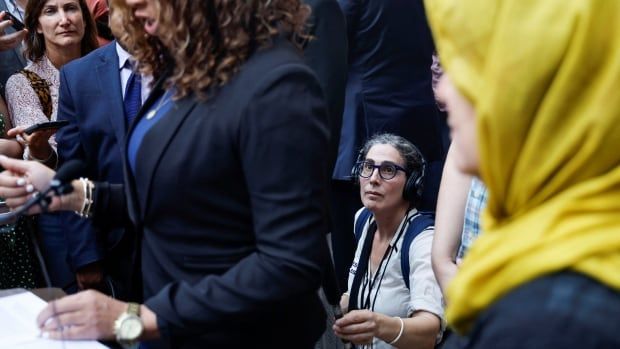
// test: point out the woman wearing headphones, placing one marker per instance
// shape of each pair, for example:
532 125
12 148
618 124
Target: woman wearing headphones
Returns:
387 306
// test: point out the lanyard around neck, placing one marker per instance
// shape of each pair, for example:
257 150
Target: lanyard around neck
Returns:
363 265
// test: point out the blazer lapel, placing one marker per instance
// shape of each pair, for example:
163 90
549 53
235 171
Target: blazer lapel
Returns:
150 153
154 146
109 79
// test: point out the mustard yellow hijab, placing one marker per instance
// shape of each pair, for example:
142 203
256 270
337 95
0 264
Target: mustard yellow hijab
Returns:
544 78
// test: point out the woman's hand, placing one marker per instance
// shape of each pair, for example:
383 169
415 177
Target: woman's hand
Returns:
85 315
90 315
358 327
9 41
37 142
21 179
344 303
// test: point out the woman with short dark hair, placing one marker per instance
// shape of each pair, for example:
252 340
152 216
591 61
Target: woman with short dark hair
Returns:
393 298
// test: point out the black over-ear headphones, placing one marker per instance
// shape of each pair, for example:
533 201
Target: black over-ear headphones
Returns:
355 170
414 187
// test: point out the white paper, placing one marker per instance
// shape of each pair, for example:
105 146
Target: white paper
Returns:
18 327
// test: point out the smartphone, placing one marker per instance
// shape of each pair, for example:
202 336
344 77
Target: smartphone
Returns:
46 126
17 24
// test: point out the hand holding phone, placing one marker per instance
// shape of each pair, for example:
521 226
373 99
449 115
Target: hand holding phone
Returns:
46 126
16 23
9 41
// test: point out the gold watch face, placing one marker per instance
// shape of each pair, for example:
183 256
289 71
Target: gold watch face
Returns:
131 328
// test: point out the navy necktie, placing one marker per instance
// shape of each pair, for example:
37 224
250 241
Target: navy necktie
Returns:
133 96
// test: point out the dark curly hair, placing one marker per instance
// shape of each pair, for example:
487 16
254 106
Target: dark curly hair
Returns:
207 41
35 43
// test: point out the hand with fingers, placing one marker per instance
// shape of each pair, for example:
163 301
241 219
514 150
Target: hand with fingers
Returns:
12 40
90 315
85 315
358 327
21 179
37 142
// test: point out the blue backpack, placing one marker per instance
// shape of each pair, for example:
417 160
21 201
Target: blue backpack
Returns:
418 223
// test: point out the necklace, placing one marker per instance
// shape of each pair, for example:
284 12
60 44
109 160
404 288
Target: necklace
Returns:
163 101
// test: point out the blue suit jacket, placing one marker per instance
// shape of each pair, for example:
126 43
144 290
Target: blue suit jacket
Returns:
389 84
90 99
10 60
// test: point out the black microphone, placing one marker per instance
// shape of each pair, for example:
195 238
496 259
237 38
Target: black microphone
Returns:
60 185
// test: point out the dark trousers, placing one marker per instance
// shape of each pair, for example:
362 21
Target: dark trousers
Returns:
562 310
345 201
54 250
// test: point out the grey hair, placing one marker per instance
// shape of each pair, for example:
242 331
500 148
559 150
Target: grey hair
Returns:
414 160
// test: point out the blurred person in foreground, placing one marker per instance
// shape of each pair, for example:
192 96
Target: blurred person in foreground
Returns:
531 92
225 173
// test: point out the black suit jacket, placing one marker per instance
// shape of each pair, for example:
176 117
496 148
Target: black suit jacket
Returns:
326 54
228 195
90 99
389 87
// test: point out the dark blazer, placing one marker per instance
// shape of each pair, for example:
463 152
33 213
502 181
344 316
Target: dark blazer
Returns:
10 60
389 84
228 195
326 54
90 98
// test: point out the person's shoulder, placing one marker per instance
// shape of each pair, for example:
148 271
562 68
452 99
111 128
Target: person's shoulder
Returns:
318 6
280 53
92 59
17 81
278 63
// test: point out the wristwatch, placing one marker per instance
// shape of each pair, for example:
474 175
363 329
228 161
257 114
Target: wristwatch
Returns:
128 327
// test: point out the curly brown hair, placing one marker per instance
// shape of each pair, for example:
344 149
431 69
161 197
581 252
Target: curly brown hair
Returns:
207 41
130 34
35 43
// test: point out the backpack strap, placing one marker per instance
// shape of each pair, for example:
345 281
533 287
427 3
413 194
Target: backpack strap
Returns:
42 89
359 223
420 222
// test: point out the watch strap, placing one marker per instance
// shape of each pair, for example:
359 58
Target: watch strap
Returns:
133 309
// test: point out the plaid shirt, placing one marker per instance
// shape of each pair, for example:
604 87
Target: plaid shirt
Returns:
476 200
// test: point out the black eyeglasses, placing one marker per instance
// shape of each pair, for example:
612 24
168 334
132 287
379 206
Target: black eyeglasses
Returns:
387 170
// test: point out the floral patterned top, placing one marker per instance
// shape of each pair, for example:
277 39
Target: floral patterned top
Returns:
23 102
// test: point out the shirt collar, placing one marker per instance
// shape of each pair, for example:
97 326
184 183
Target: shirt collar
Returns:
123 56
406 220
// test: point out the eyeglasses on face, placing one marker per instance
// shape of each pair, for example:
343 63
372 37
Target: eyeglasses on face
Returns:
387 170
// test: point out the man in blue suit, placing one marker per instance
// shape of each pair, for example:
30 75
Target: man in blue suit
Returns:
93 95
388 90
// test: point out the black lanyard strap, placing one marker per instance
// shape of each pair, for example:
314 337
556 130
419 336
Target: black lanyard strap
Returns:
362 267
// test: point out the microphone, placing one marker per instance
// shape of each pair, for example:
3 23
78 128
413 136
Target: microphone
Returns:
59 185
